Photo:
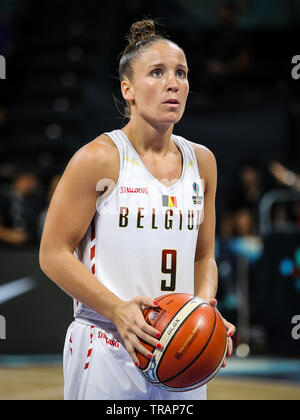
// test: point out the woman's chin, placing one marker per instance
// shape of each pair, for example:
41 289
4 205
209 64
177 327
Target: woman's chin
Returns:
169 120
163 120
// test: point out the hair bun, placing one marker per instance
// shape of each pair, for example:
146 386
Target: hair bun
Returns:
141 30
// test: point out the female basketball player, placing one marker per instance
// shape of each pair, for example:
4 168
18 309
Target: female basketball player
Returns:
132 218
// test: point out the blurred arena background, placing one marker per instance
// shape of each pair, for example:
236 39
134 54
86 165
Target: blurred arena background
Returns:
61 91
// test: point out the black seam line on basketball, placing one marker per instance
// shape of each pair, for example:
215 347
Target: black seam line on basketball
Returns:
216 372
223 355
173 294
168 295
201 304
159 300
186 303
204 348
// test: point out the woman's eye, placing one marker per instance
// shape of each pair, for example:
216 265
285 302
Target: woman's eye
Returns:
181 73
157 73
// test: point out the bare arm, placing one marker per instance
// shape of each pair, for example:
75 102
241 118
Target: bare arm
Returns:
71 211
206 272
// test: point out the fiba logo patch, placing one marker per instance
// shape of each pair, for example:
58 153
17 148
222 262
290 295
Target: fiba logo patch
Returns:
153 316
196 198
196 188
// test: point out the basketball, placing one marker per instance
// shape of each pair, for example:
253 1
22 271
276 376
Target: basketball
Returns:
194 343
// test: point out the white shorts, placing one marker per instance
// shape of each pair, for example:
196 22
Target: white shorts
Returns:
97 366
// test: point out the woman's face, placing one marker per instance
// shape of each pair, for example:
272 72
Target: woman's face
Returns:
159 89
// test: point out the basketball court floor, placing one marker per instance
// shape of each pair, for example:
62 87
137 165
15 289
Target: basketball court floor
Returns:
253 378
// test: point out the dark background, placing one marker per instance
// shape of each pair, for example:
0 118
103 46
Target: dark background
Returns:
62 90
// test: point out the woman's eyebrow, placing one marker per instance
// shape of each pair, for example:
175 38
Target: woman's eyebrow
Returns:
157 65
163 65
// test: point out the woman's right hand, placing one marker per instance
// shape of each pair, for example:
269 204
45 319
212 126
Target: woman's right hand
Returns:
131 324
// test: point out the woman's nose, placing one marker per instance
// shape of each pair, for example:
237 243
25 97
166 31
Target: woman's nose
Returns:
172 83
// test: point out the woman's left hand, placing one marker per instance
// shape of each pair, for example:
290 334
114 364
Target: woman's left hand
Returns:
230 329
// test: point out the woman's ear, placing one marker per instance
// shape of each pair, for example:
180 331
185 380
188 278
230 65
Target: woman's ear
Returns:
127 90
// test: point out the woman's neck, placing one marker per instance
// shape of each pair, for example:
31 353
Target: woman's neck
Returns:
147 138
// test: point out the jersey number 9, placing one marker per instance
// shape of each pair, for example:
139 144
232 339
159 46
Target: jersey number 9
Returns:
168 266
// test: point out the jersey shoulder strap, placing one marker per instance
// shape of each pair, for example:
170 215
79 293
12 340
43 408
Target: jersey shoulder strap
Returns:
116 137
191 159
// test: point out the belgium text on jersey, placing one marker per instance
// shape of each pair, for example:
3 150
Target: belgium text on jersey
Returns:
173 219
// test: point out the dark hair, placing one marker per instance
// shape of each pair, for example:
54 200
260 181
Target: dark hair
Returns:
141 36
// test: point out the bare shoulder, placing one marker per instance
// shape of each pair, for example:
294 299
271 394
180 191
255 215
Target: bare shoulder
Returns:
102 150
98 158
206 159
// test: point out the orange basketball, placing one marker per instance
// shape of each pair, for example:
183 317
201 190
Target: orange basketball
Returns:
194 343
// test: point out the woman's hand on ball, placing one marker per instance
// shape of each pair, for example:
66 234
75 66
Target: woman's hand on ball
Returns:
131 324
230 330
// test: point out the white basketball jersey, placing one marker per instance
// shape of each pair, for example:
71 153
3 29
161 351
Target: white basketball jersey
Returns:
143 237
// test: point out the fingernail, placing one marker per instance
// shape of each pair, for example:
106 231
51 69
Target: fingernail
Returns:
158 346
137 364
158 335
229 335
149 356
155 303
